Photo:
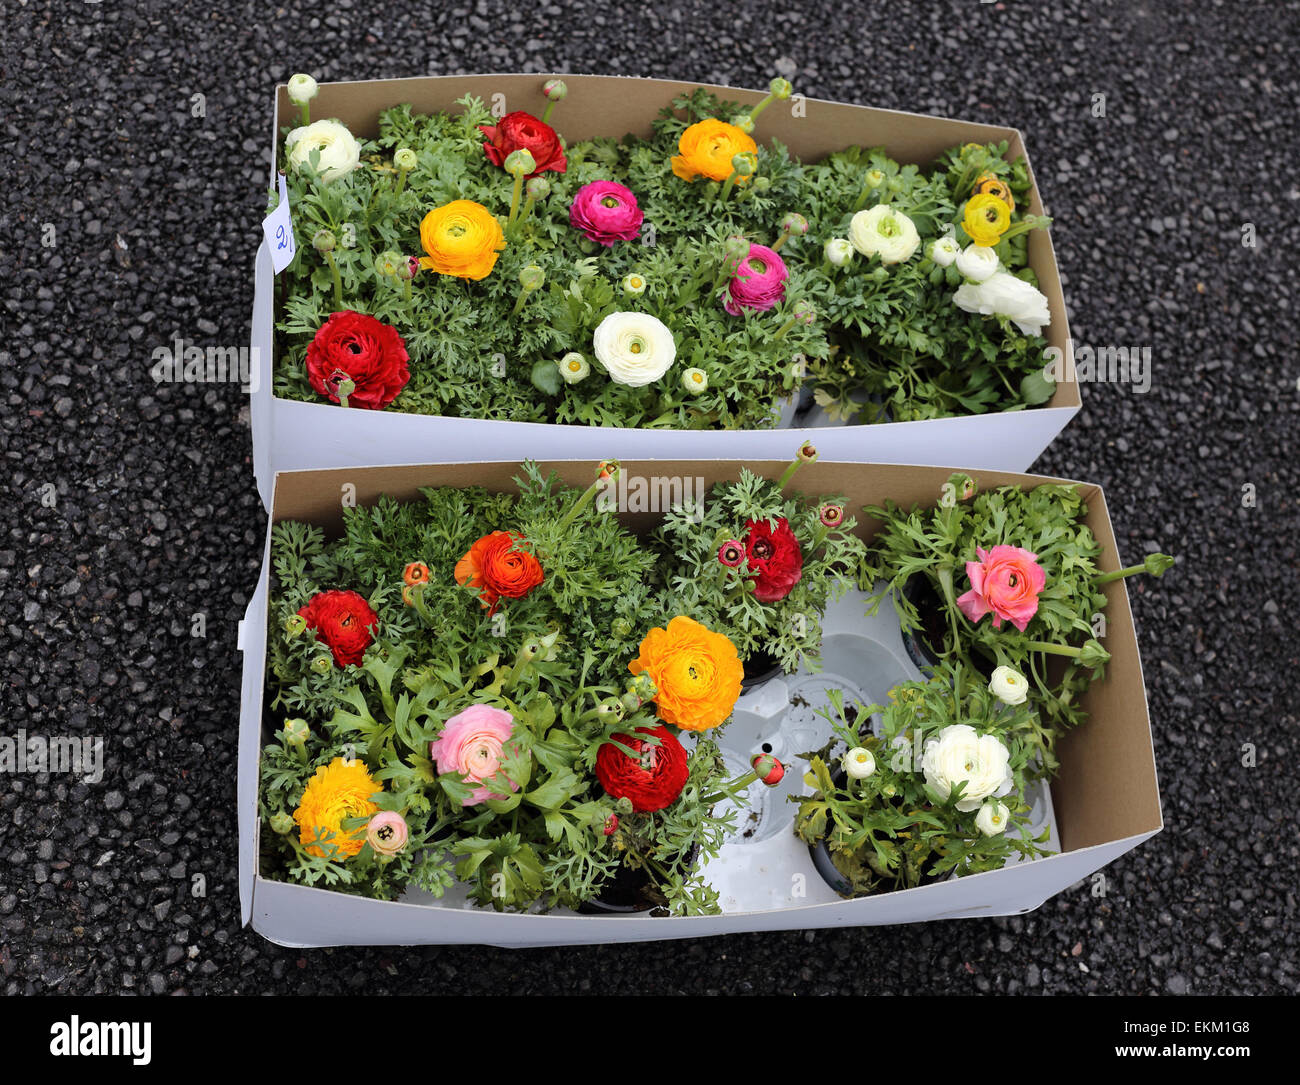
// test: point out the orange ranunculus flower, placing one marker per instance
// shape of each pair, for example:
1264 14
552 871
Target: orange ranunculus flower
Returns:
697 672
707 149
462 238
342 789
415 573
986 219
994 186
498 569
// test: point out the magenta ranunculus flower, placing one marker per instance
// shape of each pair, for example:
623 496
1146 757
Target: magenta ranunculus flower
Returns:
759 282
1006 580
606 212
470 744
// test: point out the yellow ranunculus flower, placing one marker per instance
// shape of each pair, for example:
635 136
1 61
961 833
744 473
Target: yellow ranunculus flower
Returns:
994 186
986 219
340 790
462 238
707 149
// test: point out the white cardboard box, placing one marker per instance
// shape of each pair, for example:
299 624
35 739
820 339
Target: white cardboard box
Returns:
290 435
1105 799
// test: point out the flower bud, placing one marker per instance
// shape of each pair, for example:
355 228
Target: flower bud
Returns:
520 163
621 628
295 625
624 806
530 650
323 241
1158 564
807 452
611 825
875 178
831 515
804 311
573 367
282 823
538 188
744 163
643 686
770 770
744 122
611 707
731 553
296 732
736 249
879 275
695 381
416 572
387 832
555 90
409 593
408 268
388 264
1009 686
302 88
992 818
858 763
322 664
839 251
794 224
531 277
1093 655
405 159
633 285
761 184
781 88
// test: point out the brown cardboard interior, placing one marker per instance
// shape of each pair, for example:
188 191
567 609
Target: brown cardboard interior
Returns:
602 105
1107 788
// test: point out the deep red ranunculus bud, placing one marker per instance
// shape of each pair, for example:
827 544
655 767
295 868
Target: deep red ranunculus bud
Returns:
522 131
611 825
357 347
343 620
775 554
769 770
651 781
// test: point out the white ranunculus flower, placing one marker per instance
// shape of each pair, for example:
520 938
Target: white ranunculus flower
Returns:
339 152
1002 294
634 348
977 262
882 231
302 88
959 753
992 818
1009 686
859 763
944 250
839 251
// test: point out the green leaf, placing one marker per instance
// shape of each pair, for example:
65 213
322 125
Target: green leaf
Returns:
1036 388
546 378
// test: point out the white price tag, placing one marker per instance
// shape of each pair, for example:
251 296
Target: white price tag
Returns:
278 228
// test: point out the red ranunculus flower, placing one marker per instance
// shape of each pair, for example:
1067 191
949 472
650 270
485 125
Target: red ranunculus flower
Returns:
499 568
356 347
343 620
774 553
523 131
651 781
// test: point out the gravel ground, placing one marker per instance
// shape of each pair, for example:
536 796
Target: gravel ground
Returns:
130 219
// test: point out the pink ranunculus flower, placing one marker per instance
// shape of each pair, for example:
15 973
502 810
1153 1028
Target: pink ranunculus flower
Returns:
606 212
758 283
1006 580
470 744
387 832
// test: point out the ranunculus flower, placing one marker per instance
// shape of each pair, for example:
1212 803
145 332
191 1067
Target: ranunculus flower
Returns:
416 572
986 219
387 832
606 212
302 88
356 347
498 568
960 754
471 744
462 238
337 791
882 231
1009 686
339 152
989 183
838 250
731 553
696 672
758 283
775 556
522 131
977 262
635 348
992 818
1006 580
707 148
651 781
944 250
859 763
1003 294
343 620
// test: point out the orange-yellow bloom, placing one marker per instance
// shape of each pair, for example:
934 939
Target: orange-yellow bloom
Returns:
340 790
697 673
995 186
462 238
707 148
986 219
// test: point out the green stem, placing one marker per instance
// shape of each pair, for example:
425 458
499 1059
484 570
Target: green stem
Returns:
753 113
546 113
338 281
945 582
780 332
727 185
587 497
401 182
514 199
1119 574
306 113
1054 649
519 304
406 283
785 236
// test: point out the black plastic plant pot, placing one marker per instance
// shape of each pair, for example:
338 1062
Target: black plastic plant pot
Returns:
930 609
627 893
760 667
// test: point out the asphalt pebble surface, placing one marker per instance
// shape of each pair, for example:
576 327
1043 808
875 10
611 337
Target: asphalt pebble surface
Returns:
1164 142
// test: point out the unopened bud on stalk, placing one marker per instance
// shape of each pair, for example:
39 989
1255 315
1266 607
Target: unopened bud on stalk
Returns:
744 122
695 381
780 89
538 188
573 367
302 88
633 285
405 159
555 90
520 163
323 241
295 625
322 664
282 823
296 732
839 251
531 277
389 264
